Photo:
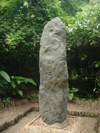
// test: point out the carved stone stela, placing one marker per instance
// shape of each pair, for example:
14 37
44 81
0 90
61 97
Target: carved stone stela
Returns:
53 91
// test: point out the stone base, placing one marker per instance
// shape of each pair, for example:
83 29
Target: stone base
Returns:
77 125
57 125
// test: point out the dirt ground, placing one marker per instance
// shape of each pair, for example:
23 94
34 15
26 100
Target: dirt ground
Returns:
10 113
22 122
76 125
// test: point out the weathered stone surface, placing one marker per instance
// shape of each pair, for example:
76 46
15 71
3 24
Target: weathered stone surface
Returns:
53 73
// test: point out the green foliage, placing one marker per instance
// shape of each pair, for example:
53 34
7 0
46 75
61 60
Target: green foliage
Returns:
20 79
21 25
14 85
97 64
20 93
33 95
84 28
8 99
93 2
29 97
83 45
71 7
5 76
85 99
72 93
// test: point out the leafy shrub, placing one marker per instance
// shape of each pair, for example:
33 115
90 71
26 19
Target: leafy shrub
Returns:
83 45
12 85
72 93
21 25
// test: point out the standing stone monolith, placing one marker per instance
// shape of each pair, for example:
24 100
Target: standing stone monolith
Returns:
53 91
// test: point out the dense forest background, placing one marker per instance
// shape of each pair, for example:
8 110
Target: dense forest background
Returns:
21 26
